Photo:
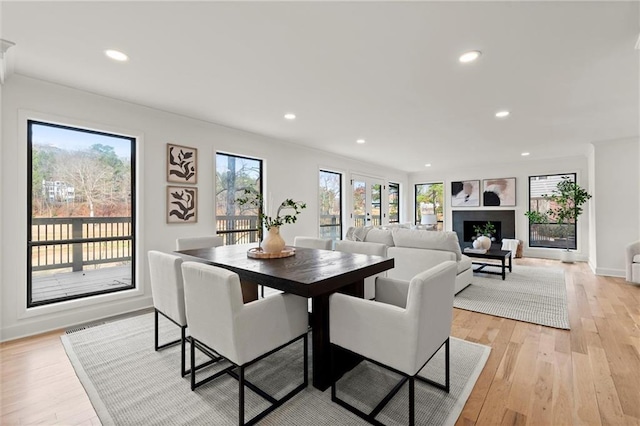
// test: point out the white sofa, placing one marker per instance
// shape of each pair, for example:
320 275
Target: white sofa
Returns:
633 262
415 251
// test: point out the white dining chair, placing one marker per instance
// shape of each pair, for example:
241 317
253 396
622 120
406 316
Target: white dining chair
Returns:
400 337
372 249
220 321
312 242
167 289
192 243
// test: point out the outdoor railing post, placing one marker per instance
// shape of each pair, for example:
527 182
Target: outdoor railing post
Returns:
76 230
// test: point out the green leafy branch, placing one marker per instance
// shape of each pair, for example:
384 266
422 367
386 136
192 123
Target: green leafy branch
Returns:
254 199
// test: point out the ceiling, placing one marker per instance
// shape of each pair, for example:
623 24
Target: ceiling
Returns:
386 72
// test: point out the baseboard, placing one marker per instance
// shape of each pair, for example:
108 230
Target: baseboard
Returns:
64 320
610 272
552 254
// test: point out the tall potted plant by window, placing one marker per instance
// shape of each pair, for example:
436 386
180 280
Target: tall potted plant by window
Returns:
566 203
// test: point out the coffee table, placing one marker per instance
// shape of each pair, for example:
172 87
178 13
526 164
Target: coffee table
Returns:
501 255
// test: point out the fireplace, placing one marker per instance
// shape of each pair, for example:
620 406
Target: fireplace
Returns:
503 220
469 234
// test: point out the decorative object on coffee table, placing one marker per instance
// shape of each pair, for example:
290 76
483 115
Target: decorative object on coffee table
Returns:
273 242
182 164
484 236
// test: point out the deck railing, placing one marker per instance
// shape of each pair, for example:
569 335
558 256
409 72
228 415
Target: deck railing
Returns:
75 242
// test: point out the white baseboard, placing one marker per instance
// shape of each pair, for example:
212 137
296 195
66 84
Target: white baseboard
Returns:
63 320
610 272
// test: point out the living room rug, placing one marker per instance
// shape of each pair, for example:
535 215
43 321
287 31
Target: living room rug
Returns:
529 293
129 383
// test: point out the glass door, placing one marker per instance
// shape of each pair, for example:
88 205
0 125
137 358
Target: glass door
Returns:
366 201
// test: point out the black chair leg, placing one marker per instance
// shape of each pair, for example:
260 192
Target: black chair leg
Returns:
447 366
184 338
193 365
155 330
412 401
241 396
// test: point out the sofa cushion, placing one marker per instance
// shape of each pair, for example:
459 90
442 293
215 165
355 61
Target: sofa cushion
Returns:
380 236
636 258
409 262
434 240
464 263
357 234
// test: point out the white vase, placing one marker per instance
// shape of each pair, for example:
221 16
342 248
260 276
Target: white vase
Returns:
482 243
273 242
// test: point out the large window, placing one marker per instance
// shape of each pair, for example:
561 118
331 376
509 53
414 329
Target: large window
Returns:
394 202
330 205
429 205
235 223
551 234
81 230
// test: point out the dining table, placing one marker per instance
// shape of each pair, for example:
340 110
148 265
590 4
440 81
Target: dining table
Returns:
310 273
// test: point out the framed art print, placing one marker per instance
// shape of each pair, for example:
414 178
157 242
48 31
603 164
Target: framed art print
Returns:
499 192
182 204
182 164
465 193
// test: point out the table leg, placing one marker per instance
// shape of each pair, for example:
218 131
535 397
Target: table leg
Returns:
249 291
504 275
321 344
510 260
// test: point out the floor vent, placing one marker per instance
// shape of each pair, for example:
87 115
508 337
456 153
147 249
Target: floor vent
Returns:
83 327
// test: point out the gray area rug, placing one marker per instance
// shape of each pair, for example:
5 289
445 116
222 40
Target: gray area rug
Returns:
529 293
129 383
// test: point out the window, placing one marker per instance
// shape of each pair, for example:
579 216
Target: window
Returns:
237 224
552 234
394 202
81 230
429 205
330 205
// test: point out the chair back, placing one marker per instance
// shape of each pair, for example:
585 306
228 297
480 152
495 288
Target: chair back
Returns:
314 243
372 249
430 305
167 286
192 243
212 298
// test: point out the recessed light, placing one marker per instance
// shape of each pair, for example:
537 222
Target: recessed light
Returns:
469 56
502 114
116 55
361 141
290 116
524 154
428 165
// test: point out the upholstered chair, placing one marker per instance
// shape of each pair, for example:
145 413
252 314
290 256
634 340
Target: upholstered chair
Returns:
311 242
400 338
220 321
372 249
167 288
632 261
192 243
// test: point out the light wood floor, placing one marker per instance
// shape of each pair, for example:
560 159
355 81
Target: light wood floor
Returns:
535 375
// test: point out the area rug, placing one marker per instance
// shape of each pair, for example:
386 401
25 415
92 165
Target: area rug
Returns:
529 293
129 383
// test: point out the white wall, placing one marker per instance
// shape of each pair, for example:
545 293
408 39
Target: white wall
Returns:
521 169
291 171
616 195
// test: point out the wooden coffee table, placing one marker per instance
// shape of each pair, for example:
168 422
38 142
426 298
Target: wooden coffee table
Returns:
501 255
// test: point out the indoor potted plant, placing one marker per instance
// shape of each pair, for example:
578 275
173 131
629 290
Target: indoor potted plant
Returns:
273 242
566 206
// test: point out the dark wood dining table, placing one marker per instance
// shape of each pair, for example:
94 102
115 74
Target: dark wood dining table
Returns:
310 273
